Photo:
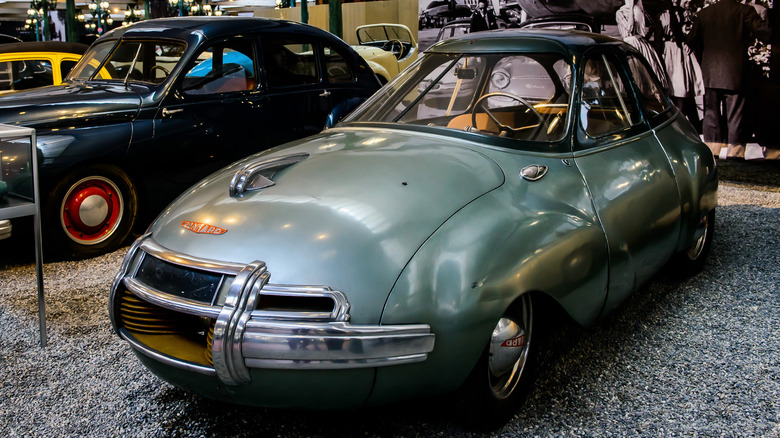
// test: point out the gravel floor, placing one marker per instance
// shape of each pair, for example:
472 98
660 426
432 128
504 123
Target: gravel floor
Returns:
681 358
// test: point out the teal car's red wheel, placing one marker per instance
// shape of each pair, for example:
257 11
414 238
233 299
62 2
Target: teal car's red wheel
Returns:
95 210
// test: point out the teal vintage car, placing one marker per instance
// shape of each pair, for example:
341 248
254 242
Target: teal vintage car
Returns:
406 251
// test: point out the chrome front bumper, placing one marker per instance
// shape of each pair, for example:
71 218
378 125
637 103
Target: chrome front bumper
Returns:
246 335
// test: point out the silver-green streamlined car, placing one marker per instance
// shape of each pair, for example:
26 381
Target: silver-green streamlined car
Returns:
404 252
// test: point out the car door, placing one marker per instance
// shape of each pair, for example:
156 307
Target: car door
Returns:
214 115
299 99
628 174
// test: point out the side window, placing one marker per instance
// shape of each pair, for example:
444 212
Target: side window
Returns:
222 68
606 105
289 61
23 75
66 66
650 90
336 67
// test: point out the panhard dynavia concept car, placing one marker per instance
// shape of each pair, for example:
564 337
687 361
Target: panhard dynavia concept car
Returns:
405 252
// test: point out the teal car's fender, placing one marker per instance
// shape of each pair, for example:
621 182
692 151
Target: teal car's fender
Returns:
526 236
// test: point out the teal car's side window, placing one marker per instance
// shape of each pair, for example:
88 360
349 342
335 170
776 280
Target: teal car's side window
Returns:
650 91
606 103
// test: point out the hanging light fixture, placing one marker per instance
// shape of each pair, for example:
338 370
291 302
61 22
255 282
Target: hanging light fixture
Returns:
202 7
39 14
132 14
101 16
180 7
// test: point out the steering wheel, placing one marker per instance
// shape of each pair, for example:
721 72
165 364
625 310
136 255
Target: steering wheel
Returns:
502 128
164 70
396 47
337 72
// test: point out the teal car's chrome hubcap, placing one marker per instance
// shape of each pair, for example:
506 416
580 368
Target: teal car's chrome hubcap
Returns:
508 350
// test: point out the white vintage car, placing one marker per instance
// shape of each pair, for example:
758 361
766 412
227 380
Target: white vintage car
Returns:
388 48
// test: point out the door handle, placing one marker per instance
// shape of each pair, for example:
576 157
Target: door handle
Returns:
534 172
325 93
166 112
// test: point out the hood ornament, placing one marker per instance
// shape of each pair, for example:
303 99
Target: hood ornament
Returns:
259 175
201 228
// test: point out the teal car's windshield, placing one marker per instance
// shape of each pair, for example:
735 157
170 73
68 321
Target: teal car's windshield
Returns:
524 96
130 61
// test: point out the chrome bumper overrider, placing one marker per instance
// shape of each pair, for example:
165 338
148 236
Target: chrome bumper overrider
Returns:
247 335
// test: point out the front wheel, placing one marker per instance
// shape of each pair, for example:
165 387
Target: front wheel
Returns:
502 377
91 211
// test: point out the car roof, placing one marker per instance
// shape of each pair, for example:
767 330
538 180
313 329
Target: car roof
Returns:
209 27
525 40
44 46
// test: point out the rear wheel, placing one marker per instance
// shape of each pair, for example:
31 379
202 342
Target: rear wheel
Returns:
502 377
690 261
91 211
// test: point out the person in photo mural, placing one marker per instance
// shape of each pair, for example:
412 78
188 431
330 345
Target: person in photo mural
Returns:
721 35
483 18
633 26
683 69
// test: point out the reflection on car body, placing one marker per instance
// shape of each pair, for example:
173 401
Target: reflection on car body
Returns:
407 251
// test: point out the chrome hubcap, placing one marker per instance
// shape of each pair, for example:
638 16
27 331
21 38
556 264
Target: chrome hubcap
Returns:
91 210
696 249
508 350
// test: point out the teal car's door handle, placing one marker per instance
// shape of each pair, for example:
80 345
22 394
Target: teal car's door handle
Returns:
534 172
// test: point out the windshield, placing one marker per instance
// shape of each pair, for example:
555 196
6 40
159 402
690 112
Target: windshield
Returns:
133 61
381 33
520 96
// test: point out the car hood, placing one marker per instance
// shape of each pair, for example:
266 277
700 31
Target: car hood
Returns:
349 216
69 105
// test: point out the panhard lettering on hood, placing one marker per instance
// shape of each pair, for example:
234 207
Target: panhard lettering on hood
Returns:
201 228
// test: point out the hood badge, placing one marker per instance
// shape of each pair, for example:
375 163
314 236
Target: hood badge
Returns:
201 228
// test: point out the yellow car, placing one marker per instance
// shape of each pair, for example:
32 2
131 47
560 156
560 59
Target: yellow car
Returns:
35 64
387 48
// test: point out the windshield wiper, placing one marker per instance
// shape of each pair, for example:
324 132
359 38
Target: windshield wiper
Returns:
132 66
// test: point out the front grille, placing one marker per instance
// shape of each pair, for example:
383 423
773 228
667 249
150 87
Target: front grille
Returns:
141 317
176 334
167 304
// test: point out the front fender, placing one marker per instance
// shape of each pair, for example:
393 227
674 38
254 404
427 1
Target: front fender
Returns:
468 273
65 149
